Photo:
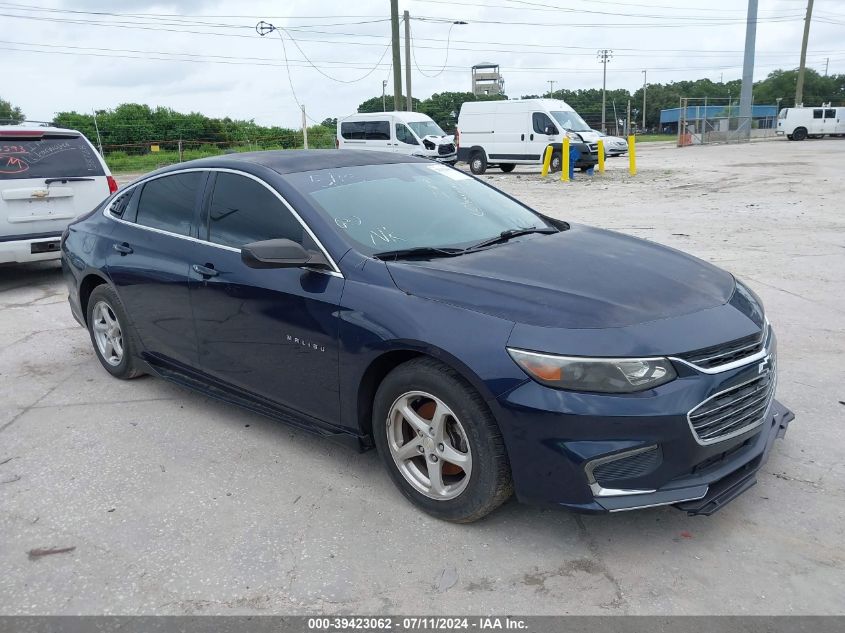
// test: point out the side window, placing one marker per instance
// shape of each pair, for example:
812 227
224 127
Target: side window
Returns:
404 135
243 211
167 203
817 114
541 121
352 130
830 114
377 130
119 204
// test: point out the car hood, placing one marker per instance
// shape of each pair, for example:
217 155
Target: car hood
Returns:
579 278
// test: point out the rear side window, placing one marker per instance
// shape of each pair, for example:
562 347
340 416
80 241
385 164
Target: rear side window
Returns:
365 130
817 114
830 114
541 121
48 157
167 203
244 211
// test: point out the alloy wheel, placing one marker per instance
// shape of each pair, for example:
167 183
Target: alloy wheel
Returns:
429 445
107 333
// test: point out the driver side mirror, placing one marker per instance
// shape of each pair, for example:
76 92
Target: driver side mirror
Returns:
280 253
551 129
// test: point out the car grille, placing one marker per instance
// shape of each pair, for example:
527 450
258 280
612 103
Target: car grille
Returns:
448 148
594 147
629 467
735 410
710 357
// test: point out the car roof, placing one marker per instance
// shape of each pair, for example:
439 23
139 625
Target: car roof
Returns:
288 161
36 129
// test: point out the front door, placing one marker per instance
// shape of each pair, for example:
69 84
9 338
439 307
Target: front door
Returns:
271 332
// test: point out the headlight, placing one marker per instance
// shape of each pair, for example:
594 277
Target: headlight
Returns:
573 136
604 375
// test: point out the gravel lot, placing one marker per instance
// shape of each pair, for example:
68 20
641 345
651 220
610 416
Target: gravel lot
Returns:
176 504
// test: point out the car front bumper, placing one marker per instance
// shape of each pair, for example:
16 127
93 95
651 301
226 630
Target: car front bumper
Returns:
612 452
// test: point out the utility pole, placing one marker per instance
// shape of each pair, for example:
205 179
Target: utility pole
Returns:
604 56
551 88
304 129
799 87
645 85
826 65
397 57
383 99
628 120
97 128
409 103
745 95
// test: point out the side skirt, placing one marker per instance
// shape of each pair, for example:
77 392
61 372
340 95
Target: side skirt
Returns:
187 377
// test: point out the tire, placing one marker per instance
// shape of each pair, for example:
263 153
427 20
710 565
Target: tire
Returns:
799 134
790 137
111 336
467 433
508 168
554 165
478 163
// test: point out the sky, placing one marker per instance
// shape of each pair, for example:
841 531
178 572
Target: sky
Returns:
206 56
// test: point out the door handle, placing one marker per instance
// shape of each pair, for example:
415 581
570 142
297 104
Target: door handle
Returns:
522 138
532 137
205 271
123 249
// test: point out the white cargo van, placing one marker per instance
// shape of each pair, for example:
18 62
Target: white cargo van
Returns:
48 177
517 132
801 123
401 132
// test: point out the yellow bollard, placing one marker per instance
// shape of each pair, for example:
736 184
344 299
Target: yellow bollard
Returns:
632 155
564 160
547 160
601 156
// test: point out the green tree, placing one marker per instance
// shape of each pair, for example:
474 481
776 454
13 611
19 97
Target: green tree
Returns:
375 104
10 113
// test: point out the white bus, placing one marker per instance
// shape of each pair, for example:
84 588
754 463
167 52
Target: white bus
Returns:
801 123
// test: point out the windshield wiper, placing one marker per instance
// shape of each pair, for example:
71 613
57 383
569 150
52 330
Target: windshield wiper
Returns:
419 251
504 236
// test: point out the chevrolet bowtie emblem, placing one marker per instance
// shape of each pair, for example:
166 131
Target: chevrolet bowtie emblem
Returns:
763 366
41 193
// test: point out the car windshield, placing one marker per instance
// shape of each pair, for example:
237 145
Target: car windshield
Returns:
570 121
426 128
411 205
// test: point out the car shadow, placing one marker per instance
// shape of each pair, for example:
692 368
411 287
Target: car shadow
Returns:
14 276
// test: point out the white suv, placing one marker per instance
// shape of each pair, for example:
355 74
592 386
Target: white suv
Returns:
48 177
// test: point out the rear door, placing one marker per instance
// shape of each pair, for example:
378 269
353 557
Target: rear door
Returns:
152 248
512 130
46 180
829 121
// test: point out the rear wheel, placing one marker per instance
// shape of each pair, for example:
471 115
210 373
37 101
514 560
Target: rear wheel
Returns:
799 134
478 163
508 168
440 443
110 333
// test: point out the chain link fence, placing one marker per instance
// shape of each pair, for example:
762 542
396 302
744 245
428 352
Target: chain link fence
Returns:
704 120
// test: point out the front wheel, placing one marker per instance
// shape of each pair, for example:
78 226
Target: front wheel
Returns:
478 163
799 134
555 162
440 443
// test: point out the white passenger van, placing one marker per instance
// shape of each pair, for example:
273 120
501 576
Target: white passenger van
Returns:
399 131
801 123
517 132
48 177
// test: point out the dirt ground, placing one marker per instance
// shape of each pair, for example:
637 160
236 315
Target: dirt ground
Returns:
178 504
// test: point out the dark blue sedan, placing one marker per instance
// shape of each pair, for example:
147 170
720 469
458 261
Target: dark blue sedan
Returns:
482 347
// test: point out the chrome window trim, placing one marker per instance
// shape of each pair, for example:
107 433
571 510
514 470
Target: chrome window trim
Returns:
335 272
767 334
744 429
597 489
